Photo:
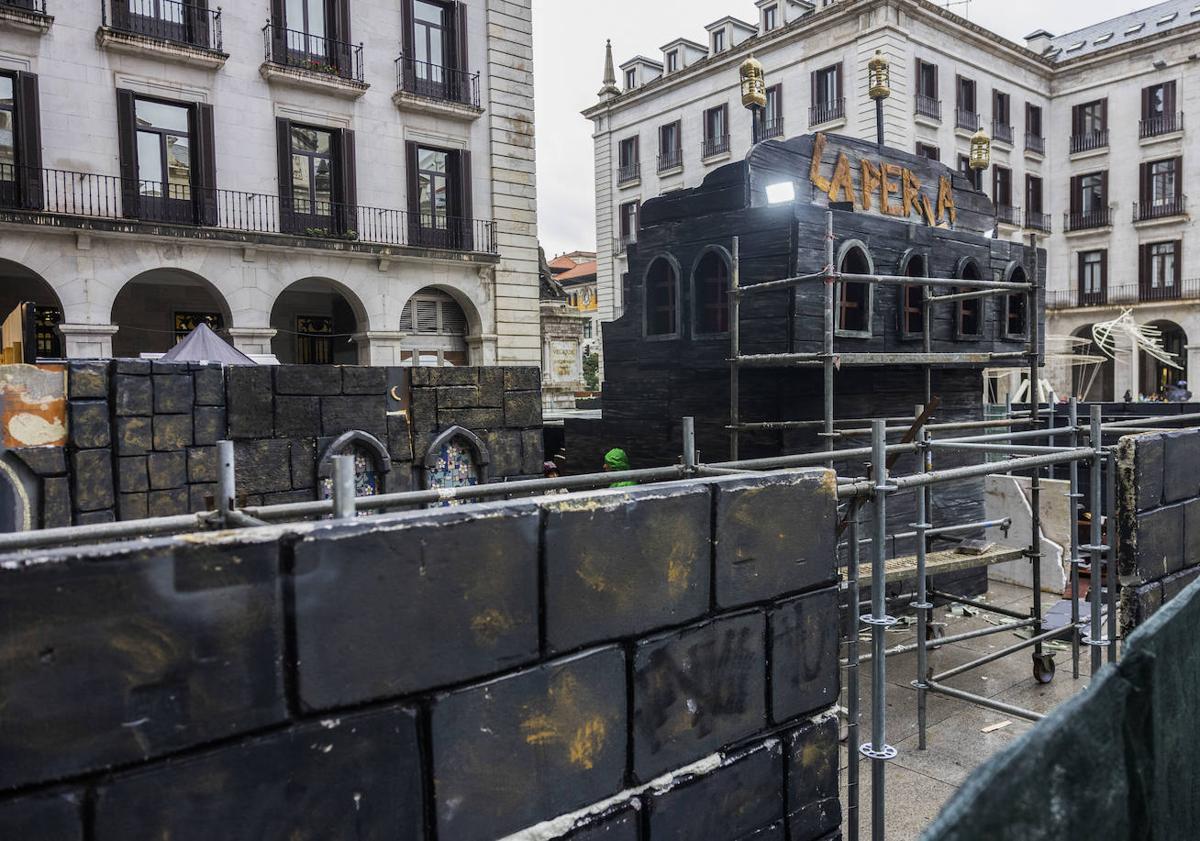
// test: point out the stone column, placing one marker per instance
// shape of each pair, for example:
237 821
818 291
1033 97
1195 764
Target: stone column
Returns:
379 348
255 342
482 350
88 341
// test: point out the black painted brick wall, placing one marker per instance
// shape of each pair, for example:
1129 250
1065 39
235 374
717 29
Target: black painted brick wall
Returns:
427 675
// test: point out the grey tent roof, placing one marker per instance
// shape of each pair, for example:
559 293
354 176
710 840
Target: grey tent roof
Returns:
203 345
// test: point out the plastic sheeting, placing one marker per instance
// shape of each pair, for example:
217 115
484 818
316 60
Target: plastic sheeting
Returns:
1119 761
203 345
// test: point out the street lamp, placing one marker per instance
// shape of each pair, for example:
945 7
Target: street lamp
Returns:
879 77
981 151
754 84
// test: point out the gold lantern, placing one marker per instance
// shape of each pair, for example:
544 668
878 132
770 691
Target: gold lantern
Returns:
981 150
880 76
754 84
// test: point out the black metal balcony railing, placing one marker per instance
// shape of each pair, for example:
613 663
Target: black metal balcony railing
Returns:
1133 293
1037 221
1162 124
672 159
1089 141
768 129
825 112
1002 132
1160 209
1035 143
62 193
966 119
1087 221
714 146
291 48
1008 215
433 81
165 20
38 7
927 106
628 173
626 240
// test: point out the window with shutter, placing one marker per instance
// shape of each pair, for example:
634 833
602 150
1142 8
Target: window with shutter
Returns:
427 316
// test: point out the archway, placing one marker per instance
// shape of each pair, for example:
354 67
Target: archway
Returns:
315 322
19 285
912 301
1016 317
970 312
157 308
662 297
853 299
1157 377
710 293
1093 373
437 325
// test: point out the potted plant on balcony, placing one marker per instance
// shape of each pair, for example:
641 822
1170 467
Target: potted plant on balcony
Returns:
317 65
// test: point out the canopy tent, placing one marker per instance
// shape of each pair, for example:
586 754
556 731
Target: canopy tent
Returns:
203 345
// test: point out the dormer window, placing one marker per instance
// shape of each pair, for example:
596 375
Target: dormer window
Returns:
630 79
770 18
672 61
718 41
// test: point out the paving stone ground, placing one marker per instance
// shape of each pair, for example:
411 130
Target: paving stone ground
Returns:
918 783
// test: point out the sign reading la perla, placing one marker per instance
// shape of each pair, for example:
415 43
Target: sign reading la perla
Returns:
875 185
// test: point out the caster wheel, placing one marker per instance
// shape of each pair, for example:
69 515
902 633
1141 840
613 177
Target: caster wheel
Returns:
937 630
1043 668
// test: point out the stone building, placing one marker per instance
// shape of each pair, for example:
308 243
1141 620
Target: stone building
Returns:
564 330
1089 144
576 273
321 180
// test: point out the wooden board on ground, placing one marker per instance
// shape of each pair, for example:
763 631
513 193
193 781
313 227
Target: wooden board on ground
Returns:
939 563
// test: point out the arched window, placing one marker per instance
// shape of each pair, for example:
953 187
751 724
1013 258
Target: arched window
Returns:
662 298
1016 320
853 300
710 292
970 313
457 458
912 310
438 329
371 464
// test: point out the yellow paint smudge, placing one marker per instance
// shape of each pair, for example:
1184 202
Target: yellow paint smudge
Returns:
587 743
490 625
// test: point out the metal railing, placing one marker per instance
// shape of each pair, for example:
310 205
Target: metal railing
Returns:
927 106
824 112
1160 209
314 53
1038 221
714 146
1162 124
165 20
57 192
1008 215
768 129
1088 141
672 159
435 81
1087 221
1002 132
966 119
38 7
1132 293
629 173
624 241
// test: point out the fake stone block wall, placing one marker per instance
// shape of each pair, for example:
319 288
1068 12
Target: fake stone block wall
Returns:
1158 520
459 674
142 435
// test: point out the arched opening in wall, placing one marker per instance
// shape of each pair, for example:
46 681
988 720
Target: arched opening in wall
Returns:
710 294
315 322
970 313
457 458
1016 310
853 299
1159 378
912 310
1092 371
372 464
662 298
156 309
437 328
19 285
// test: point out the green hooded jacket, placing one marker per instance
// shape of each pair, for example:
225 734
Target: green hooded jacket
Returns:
615 460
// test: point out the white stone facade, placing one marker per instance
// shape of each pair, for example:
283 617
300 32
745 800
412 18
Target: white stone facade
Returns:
1047 74
87 262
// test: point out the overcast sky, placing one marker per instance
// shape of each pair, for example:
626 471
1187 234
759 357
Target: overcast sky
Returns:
569 36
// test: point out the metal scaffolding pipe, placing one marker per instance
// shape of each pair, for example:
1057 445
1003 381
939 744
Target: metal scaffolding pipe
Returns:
933 644
1096 550
922 604
979 700
735 348
905 280
852 685
1073 497
878 359
785 283
993 656
967 296
1111 562
879 751
990 608
1018 449
827 344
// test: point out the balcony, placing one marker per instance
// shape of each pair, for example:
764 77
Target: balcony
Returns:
624 241
1006 214
713 146
179 31
297 59
1160 209
1087 221
668 161
629 174
54 197
827 112
1187 290
423 87
768 129
1160 125
1037 221
1002 132
1035 143
1089 141
25 15
968 120
927 106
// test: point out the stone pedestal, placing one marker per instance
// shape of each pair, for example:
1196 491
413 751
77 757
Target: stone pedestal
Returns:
87 341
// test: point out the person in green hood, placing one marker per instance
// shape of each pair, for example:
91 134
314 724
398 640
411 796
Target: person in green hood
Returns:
615 460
